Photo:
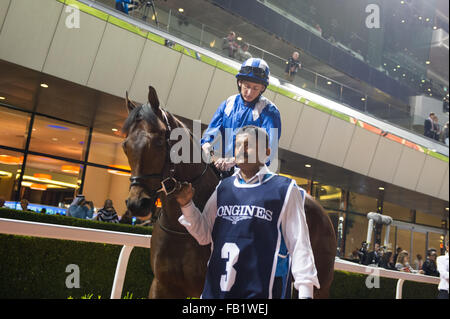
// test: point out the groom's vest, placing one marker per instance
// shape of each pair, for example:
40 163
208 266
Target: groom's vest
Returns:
246 239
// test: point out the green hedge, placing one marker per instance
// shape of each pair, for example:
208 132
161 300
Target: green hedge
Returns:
36 267
33 267
348 285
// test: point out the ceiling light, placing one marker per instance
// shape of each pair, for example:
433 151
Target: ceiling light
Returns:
38 187
45 86
403 21
427 19
381 188
363 99
402 2
121 173
420 18
446 208
54 139
329 82
41 176
427 62
114 130
2 98
239 38
181 10
70 169
435 28
307 165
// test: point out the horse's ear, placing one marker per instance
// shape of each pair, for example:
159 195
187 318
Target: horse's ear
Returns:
130 105
153 98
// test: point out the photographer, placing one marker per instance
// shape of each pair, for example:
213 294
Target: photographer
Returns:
362 253
79 208
126 6
292 66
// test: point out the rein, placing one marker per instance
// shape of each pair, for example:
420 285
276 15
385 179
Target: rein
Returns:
169 184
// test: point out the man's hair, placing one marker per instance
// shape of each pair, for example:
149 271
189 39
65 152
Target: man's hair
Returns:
258 132
431 114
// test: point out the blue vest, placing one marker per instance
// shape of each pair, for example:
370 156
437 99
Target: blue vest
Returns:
246 239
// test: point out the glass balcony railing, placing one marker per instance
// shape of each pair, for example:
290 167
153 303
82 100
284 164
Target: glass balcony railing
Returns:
192 31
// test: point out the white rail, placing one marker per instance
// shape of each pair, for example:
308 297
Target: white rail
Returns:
128 241
344 265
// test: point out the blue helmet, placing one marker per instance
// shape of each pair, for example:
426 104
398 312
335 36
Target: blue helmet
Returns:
254 70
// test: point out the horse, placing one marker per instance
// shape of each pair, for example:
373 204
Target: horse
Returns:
177 260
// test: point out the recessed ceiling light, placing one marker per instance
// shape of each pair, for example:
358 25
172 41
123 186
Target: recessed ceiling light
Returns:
435 28
239 38
54 139
2 98
427 62
446 208
181 10
44 85
114 130
329 82
381 188
363 99
307 165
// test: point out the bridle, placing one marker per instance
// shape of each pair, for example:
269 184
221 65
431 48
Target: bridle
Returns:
169 184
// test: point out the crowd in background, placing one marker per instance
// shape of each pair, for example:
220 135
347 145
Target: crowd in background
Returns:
398 260
84 209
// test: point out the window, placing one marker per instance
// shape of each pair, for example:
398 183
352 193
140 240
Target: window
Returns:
50 181
356 232
428 219
10 165
362 204
107 149
419 243
101 184
328 196
13 128
397 212
58 138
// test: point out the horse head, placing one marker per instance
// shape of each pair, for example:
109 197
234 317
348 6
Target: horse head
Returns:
146 148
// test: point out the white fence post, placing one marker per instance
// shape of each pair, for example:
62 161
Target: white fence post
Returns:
121 271
399 290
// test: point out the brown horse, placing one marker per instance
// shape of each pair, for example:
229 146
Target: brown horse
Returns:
177 260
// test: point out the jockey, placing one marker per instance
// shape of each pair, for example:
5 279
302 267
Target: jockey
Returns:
249 107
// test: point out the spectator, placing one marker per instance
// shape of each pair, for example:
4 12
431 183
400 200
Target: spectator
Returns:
437 128
429 126
107 213
445 134
242 53
373 258
229 45
318 28
2 201
442 267
418 262
403 264
362 253
79 209
126 6
24 205
387 261
397 252
429 266
292 66
43 211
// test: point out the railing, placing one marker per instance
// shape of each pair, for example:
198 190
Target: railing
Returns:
205 36
128 241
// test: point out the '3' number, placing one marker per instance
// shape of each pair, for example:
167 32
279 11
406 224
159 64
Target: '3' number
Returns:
230 251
